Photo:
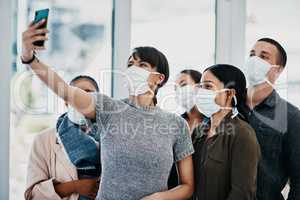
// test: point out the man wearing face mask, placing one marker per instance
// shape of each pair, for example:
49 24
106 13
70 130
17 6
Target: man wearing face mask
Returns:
276 122
59 158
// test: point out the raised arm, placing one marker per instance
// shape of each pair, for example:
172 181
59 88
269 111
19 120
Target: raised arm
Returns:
79 99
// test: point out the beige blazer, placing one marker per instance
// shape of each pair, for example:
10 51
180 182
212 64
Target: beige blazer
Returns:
48 164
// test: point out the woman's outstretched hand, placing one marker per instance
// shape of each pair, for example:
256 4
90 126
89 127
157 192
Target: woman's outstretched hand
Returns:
31 35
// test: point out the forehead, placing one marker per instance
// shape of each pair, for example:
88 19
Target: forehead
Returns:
184 77
84 84
134 58
261 46
210 78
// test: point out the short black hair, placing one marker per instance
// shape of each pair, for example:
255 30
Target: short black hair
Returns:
282 58
156 59
195 75
90 79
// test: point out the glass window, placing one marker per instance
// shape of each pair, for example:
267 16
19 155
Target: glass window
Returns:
183 31
79 43
278 20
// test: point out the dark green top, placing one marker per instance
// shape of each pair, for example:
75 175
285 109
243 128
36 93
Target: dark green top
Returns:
225 165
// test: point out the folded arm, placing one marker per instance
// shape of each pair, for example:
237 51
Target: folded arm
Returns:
40 184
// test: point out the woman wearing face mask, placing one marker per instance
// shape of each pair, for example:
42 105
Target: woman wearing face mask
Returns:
187 80
139 141
51 175
226 150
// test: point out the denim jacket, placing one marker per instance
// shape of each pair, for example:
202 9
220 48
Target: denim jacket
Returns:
277 126
80 147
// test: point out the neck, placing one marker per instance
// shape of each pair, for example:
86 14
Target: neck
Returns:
257 94
194 119
216 120
143 100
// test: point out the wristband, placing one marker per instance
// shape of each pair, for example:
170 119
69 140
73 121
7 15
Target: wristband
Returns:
29 61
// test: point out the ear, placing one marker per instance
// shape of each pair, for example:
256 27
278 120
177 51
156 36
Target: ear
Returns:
66 104
277 68
280 69
231 93
161 78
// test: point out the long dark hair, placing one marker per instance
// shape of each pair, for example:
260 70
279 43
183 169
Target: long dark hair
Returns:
232 78
156 59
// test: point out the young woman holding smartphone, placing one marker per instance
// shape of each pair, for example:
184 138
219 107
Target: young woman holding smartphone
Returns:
139 141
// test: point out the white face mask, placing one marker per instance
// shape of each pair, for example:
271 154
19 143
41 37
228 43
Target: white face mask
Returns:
185 97
206 104
76 117
138 80
256 70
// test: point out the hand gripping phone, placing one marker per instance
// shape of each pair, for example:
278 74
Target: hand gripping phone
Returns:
40 15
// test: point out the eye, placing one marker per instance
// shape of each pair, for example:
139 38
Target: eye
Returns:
143 65
264 57
207 86
147 65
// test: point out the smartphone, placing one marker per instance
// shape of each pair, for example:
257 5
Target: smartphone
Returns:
40 15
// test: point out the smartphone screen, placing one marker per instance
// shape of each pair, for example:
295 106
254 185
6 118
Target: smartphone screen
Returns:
40 15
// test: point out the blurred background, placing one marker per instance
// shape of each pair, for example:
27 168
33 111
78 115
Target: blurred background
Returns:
87 37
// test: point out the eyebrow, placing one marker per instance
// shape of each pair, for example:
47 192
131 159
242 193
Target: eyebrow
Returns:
181 82
265 52
207 82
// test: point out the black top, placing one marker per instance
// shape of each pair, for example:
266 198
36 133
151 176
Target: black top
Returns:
173 180
277 126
